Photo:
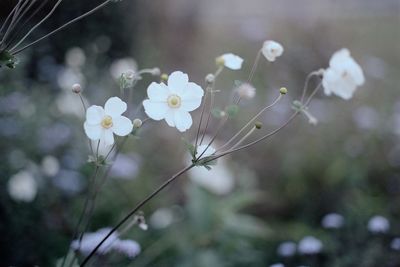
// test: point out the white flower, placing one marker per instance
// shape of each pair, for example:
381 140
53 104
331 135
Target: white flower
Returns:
277 265
310 245
174 101
231 61
102 124
22 186
271 50
204 151
162 218
287 249
378 224
343 75
246 91
332 220
90 240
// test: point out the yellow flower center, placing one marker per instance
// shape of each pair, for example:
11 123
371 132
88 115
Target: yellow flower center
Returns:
107 122
174 101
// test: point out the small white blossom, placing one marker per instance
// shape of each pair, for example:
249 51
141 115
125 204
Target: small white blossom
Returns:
174 101
102 124
343 76
246 91
378 224
287 249
332 220
271 50
22 186
231 61
128 247
310 245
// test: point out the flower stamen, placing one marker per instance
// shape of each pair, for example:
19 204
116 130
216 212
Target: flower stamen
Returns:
107 122
174 101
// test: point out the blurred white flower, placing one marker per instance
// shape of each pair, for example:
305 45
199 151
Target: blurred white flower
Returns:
332 220
204 151
162 218
128 247
70 104
366 118
287 249
246 91
68 76
91 240
125 167
120 66
310 245
22 186
277 265
219 180
174 101
75 57
231 61
50 165
343 75
102 124
378 224
395 244
271 50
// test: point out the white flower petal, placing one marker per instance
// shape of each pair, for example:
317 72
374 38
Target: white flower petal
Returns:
170 117
157 92
115 107
232 61
155 110
204 151
183 120
177 82
108 137
94 132
122 126
191 100
94 114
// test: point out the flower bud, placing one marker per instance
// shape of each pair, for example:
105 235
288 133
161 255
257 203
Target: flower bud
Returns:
129 74
164 77
77 88
137 123
258 125
210 78
283 91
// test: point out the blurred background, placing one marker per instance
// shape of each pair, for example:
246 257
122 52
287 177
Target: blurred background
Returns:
324 195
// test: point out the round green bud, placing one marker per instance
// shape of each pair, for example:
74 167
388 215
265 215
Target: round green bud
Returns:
258 125
283 91
137 123
164 77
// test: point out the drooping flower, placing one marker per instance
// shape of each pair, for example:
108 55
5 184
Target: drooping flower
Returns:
231 61
102 124
378 224
271 50
22 186
310 245
174 101
343 76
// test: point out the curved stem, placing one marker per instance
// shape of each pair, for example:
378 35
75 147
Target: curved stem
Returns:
134 210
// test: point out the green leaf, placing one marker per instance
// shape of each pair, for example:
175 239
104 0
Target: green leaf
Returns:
190 147
232 110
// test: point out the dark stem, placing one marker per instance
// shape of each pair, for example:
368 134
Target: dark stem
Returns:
133 211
